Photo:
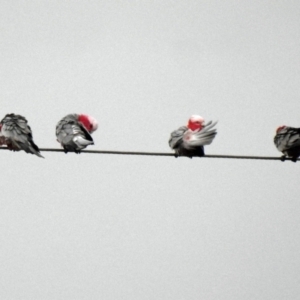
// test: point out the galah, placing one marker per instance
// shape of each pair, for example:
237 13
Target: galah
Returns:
73 132
17 134
287 141
189 140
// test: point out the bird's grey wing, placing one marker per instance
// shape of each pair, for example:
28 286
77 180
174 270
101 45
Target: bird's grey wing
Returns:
85 133
71 133
18 134
64 127
83 138
176 138
205 136
15 127
287 138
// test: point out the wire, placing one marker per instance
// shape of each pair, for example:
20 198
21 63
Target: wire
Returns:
161 154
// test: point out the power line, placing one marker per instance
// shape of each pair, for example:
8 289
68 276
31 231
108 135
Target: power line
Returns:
161 154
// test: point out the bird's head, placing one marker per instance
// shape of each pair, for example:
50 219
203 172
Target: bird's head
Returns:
195 123
280 128
88 122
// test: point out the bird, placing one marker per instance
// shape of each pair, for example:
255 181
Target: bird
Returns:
17 134
287 141
189 140
73 132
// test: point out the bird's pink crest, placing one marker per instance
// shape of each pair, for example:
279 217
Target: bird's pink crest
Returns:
88 122
195 123
280 128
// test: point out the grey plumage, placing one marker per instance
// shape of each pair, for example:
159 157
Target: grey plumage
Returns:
287 141
190 143
72 135
17 134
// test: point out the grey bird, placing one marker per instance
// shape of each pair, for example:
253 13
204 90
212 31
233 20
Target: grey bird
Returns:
287 141
190 140
73 132
17 134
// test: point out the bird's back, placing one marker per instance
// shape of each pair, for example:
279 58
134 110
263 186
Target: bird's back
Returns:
287 138
18 134
72 135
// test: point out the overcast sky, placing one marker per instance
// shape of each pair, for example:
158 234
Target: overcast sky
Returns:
127 227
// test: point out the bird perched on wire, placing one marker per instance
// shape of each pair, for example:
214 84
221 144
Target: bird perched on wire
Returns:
287 141
189 140
17 134
73 132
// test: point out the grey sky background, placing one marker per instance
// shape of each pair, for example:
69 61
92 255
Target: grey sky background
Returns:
123 227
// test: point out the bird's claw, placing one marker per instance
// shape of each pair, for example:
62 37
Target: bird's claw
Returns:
282 158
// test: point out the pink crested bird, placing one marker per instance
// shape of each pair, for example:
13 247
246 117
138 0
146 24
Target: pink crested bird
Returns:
190 140
73 132
17 135
287 141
